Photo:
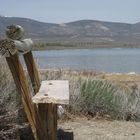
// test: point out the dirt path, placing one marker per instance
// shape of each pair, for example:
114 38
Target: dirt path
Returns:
103 129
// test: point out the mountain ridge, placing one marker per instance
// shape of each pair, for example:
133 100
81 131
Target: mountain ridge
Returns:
80 30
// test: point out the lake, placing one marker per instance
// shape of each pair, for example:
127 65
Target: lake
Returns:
118 60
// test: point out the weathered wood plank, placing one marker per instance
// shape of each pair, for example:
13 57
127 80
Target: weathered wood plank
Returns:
23 89
48 114
53 91
32 70
52 121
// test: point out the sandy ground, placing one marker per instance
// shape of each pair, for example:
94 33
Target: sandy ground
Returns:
102 129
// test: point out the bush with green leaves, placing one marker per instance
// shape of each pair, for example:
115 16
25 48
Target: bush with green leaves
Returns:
99 96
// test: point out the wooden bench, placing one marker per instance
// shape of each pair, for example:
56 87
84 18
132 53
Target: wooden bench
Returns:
41 110
51 94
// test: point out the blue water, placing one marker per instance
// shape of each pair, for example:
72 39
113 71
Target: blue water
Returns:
116 60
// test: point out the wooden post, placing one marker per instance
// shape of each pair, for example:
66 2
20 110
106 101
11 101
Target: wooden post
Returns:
52 121
8 49
32 70
42 109
23 89
48 114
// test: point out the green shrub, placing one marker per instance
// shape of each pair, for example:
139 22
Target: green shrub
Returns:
102 97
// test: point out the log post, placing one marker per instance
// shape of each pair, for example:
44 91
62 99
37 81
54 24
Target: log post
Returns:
23 89
52 121
48 114
32 70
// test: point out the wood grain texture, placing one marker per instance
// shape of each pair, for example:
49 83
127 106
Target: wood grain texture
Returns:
23 89
48 114
7 47
32 70
53 91
52 121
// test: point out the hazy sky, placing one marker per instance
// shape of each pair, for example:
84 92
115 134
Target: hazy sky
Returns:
59 11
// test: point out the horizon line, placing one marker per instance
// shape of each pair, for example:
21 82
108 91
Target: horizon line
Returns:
98 20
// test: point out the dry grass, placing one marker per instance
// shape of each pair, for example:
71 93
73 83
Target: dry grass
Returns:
91 93
8 96
116 95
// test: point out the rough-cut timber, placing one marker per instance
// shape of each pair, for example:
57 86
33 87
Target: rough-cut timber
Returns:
23 89
32 70
48 115
53 91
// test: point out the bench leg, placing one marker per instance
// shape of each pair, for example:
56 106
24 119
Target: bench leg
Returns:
48 115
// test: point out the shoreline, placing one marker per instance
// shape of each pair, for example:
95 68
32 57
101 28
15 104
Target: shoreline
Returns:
114 77
87 71
81 48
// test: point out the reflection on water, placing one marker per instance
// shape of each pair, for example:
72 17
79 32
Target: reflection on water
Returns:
106 60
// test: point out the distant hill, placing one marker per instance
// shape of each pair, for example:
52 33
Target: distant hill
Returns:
82 30
34 29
